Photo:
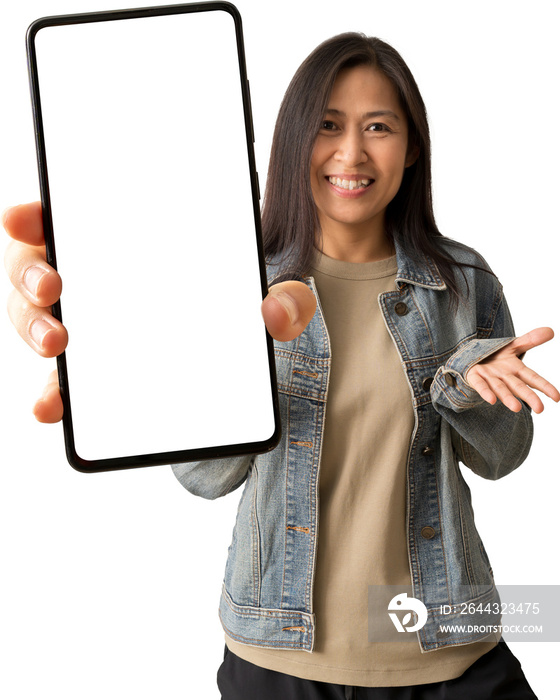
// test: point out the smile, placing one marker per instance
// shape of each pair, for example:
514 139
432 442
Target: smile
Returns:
350 184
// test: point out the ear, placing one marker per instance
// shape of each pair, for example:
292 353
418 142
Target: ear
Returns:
412 156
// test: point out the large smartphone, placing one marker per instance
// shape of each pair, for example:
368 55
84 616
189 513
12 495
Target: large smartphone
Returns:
151 213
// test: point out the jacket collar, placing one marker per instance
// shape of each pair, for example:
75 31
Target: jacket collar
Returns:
421 272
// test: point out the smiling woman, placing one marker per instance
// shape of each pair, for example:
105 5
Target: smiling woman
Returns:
348 209
407 367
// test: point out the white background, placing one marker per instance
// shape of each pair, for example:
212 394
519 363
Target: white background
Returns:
110 583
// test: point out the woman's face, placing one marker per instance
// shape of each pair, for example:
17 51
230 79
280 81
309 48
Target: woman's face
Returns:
360 153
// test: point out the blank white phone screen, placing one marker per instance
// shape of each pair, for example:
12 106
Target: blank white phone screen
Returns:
154 231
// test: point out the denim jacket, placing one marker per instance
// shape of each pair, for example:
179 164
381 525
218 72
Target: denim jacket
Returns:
267 597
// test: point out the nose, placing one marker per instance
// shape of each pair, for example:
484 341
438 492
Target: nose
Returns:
351 149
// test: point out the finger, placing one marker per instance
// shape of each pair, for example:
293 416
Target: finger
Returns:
480 386
25 223
530 340
287 309
48 409
31 275
530 377
40 330
505 395
520 389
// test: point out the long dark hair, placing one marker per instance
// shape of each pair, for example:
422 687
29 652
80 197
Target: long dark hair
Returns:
289 216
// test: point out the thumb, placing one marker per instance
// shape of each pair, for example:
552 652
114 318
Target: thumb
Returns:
287 309
530 340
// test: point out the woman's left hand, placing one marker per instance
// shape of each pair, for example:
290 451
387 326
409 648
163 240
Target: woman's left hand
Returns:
504 376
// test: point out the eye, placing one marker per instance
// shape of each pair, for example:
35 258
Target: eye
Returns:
379 127
327 125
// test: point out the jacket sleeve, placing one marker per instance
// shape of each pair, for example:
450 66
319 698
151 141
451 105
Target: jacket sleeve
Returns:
213 478
490 439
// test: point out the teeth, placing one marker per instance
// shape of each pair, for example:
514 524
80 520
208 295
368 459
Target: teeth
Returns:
349 184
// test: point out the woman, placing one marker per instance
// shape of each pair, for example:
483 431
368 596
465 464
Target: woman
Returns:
422 370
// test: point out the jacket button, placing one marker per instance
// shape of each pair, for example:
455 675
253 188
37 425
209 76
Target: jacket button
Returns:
428 451
401 308
450 379
428 532
427 383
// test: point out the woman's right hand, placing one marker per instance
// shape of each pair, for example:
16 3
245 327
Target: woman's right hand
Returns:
36 287
287 309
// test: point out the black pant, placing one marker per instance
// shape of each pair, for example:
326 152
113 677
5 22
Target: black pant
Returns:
496 675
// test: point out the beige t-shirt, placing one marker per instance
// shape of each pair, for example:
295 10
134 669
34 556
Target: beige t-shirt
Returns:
362 496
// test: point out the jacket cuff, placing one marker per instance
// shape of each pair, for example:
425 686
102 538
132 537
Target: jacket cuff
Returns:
450 387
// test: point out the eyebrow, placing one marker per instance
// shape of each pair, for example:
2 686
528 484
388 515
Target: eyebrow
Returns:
367 115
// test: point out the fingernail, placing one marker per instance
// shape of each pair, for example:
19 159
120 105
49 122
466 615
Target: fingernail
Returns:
289 305
32 278
39 330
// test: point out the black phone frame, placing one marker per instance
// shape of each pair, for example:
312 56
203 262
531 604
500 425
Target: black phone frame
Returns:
176 456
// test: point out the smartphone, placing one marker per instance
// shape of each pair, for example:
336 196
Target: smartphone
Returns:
151 213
